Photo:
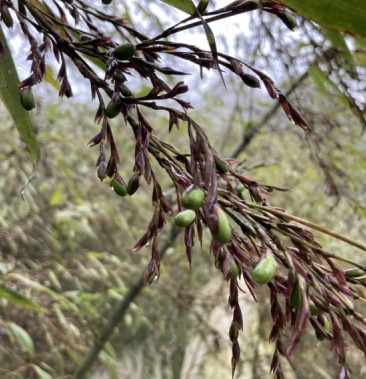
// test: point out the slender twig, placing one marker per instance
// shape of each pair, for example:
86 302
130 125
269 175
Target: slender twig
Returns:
174 29
320 228
318 249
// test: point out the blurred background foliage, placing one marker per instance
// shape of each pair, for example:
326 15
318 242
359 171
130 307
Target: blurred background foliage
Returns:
68 247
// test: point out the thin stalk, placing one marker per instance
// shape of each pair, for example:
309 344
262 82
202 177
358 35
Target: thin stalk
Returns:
319 250
320 228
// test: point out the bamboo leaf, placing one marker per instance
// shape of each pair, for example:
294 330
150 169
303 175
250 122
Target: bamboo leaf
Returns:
338 42
31 283
189 7
186 6
51 78
324 84
17 298
42 374
9 95
23 338
344 16
212 43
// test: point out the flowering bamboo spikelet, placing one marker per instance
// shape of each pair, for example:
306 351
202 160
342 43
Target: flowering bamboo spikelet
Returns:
252 241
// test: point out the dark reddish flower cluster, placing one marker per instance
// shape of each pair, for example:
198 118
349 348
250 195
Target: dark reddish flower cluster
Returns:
308 286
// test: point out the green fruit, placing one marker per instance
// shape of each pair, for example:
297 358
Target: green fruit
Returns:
106 1
125 91
221 165
326 325
192 198
118 187
354 272
234 270
185 218
125 52
224 229
296 297
265 270
250 80
27 99
240 188
119 76
314 310
133 184
112 110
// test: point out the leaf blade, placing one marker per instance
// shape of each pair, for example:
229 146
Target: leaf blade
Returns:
23 338
9 95
344 16
186 6
17 298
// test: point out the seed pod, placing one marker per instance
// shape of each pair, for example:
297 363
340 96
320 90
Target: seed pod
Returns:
240 189
314 310
296 297
223 234
101 171
7 17
119 76
234 270
265 270
193 197
125 91
118 185
233 331
133 184
221 165
354 272
112 110
27 99
185 218
125 52
324 322
250 81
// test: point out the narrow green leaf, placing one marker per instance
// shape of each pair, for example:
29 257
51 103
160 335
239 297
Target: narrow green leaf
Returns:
212 43
324 84
42 374
338 42
344 16
186 6
51 78
58 297
110 364
9 95
58 196
23 338
319 79
17 298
